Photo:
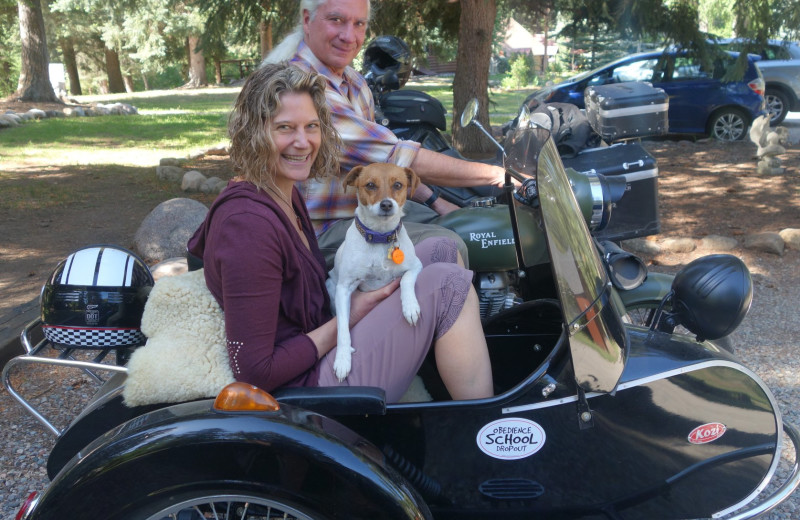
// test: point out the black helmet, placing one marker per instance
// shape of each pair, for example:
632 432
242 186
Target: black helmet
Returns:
387 54
95 298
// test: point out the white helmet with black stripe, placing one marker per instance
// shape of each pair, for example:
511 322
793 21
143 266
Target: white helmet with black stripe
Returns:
95 298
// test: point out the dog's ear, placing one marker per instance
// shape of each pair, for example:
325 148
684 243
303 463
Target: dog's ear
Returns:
413 181
352 175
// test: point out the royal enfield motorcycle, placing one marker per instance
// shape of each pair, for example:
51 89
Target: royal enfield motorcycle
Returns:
484 224
592 417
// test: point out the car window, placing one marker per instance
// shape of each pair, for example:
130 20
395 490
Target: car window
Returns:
640 70
687 68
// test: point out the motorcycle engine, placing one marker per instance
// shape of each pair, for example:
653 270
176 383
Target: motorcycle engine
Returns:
495 293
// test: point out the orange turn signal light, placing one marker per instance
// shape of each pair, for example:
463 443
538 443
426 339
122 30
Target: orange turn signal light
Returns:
243 397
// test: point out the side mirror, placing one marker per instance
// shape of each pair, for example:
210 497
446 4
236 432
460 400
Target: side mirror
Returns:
468 118
469 113
712 295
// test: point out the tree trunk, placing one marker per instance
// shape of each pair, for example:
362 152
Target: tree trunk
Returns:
146 83
218 71
265 30
34 77
128 80
472 72
197 64
114 72
71 64
265 37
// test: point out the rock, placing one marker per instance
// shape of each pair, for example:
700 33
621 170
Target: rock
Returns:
74 112
54 113
678 245
766 242
37 114
169 173
213 185
791 237
166 230
718 243
13 116
192 180
171 161
170 267
640 245
7 122
220 150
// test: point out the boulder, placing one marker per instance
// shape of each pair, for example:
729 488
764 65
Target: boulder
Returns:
7 122
678 245
766 242
37 114
213 185
171 161
791 237
192 180
165 231
169 173
718 243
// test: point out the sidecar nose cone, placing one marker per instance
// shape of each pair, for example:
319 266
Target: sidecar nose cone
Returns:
712 295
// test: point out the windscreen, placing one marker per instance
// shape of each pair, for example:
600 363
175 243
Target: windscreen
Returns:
597 336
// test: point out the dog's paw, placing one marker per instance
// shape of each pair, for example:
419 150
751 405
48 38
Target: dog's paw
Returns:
411 311
342 362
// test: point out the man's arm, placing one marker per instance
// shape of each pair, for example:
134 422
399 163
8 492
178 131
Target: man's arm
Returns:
442 170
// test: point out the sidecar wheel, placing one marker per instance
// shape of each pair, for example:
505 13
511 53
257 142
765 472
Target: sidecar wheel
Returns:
642 316
225 506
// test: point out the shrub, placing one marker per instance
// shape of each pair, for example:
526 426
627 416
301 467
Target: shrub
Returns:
520 74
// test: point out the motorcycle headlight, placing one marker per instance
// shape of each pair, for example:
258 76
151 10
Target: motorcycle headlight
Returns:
596 195
712 295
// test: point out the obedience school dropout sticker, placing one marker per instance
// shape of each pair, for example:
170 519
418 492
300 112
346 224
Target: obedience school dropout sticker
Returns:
511 438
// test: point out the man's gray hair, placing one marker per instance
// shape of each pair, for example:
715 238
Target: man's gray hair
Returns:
288 46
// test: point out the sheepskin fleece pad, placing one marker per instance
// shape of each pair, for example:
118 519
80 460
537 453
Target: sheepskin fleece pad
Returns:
185 356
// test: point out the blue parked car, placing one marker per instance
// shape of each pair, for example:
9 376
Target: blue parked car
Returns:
699 102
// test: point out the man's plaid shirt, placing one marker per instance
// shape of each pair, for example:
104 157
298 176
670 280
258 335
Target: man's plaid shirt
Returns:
365 141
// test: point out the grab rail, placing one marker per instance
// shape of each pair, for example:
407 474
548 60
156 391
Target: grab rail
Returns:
33 355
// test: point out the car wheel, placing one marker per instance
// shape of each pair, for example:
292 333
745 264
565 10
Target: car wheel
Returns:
729 124
777 105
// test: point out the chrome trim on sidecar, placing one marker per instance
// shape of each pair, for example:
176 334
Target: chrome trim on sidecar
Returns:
794 436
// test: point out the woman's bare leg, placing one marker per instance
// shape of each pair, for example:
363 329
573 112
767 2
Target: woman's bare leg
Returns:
462 356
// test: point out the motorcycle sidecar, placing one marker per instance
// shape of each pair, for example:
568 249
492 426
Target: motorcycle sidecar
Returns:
592 418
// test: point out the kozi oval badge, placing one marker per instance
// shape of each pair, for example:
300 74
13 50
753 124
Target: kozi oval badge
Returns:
511 438
707 433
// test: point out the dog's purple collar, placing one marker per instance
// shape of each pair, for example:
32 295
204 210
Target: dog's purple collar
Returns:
373 237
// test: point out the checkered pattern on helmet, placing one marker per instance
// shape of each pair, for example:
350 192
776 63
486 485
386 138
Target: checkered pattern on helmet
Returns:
93 337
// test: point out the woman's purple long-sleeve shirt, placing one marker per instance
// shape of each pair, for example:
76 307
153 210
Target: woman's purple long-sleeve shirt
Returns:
269 285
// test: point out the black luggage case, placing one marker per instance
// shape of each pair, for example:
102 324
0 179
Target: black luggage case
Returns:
636 213
627 110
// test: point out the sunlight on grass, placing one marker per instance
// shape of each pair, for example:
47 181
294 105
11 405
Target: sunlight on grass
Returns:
171 123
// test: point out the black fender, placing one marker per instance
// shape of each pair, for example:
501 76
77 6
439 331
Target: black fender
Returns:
292 454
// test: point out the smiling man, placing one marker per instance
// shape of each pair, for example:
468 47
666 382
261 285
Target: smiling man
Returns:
327 39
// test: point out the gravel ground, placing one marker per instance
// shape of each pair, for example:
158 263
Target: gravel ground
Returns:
765 342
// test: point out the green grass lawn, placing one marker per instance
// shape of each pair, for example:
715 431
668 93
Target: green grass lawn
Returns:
172 123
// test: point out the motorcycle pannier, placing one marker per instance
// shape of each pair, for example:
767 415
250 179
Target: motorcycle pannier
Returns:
412 106
627 110
636 213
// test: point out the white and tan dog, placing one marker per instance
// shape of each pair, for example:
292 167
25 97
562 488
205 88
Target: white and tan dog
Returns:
375 251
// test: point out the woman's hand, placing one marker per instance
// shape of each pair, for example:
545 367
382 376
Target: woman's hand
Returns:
361 303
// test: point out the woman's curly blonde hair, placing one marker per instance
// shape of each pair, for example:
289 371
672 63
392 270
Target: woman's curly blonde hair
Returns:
253 152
